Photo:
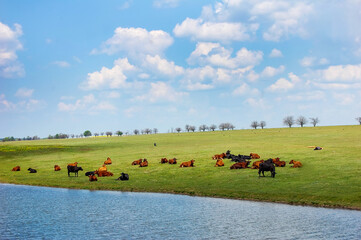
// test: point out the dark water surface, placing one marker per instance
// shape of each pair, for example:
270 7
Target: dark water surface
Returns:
28 212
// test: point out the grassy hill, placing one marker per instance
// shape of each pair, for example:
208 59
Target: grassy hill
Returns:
330 177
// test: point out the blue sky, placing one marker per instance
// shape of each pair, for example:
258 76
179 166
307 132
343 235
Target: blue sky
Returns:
69 66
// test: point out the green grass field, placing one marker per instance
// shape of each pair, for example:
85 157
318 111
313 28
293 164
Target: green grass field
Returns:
329 178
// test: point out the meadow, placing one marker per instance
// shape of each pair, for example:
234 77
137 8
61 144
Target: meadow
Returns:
329 178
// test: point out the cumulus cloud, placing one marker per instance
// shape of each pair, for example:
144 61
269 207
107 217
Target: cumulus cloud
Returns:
271 71
200 30
9 45
27 105
283 85
275 53
109 78
162 66
136 41
24 93
62 64
214 54
87 104
341 73
161 92
245 89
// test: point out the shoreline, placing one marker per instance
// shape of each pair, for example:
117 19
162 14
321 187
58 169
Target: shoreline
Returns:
195 195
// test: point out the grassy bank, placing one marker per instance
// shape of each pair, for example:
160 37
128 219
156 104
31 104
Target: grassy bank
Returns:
330 177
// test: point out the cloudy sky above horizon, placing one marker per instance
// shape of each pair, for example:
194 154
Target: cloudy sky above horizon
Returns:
70 66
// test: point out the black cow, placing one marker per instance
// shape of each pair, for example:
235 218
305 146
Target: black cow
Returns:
74 170
267 166
89 173
123 177
32 170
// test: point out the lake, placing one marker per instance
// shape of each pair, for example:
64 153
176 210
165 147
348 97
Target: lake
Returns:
29 212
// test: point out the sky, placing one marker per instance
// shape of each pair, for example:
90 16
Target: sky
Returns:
74 65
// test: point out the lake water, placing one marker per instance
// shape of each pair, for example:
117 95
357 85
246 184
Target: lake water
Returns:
29 212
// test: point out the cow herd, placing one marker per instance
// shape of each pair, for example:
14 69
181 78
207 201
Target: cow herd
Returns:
241 162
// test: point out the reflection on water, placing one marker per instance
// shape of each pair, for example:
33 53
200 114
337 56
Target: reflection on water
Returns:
47 213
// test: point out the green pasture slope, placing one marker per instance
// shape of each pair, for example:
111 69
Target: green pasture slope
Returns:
329 178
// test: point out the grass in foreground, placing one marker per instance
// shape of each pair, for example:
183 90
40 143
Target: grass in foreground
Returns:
330 177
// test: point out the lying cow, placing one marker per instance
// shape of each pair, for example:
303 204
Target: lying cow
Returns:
74 169
254 156
267 166
108 161
255 165
103 168
296 164
15 169
73 164
103 173
278 163
219 163
188 164
32 170
164 160
219 156
93 178
172 161
137 162
144 163
240 165
89 173
57 168
123 177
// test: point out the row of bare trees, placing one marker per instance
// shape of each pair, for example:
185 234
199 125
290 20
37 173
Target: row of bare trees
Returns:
203 127
301 120
256 124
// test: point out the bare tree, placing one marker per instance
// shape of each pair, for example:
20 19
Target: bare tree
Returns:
231 126
136 131
358 119
155 130
72 136
262 124
301 120
178 129
109 134
102 134
203 127
255 124
314 121
187 128
213 127
96 134
192 128
288 121
148 131
222 126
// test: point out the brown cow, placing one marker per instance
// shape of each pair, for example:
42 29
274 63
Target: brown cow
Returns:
108 161
163 160
219 163
188 164
103 168
278 163
15 169
73 164
144 163
57 168
93 178
219 156
240 165
137 162
296 164
103 173
172 161
254 156
255 165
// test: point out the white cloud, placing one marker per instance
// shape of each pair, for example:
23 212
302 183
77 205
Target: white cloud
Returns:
283 85
87 104
307 96
200 30
275 53
9 44
106 78
136 41
257 103
24 93
271 71
337 86
344 98
165 3
62 64
252 76
162 66
245 89
307 61
214 54
28 105
161 92
341 73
